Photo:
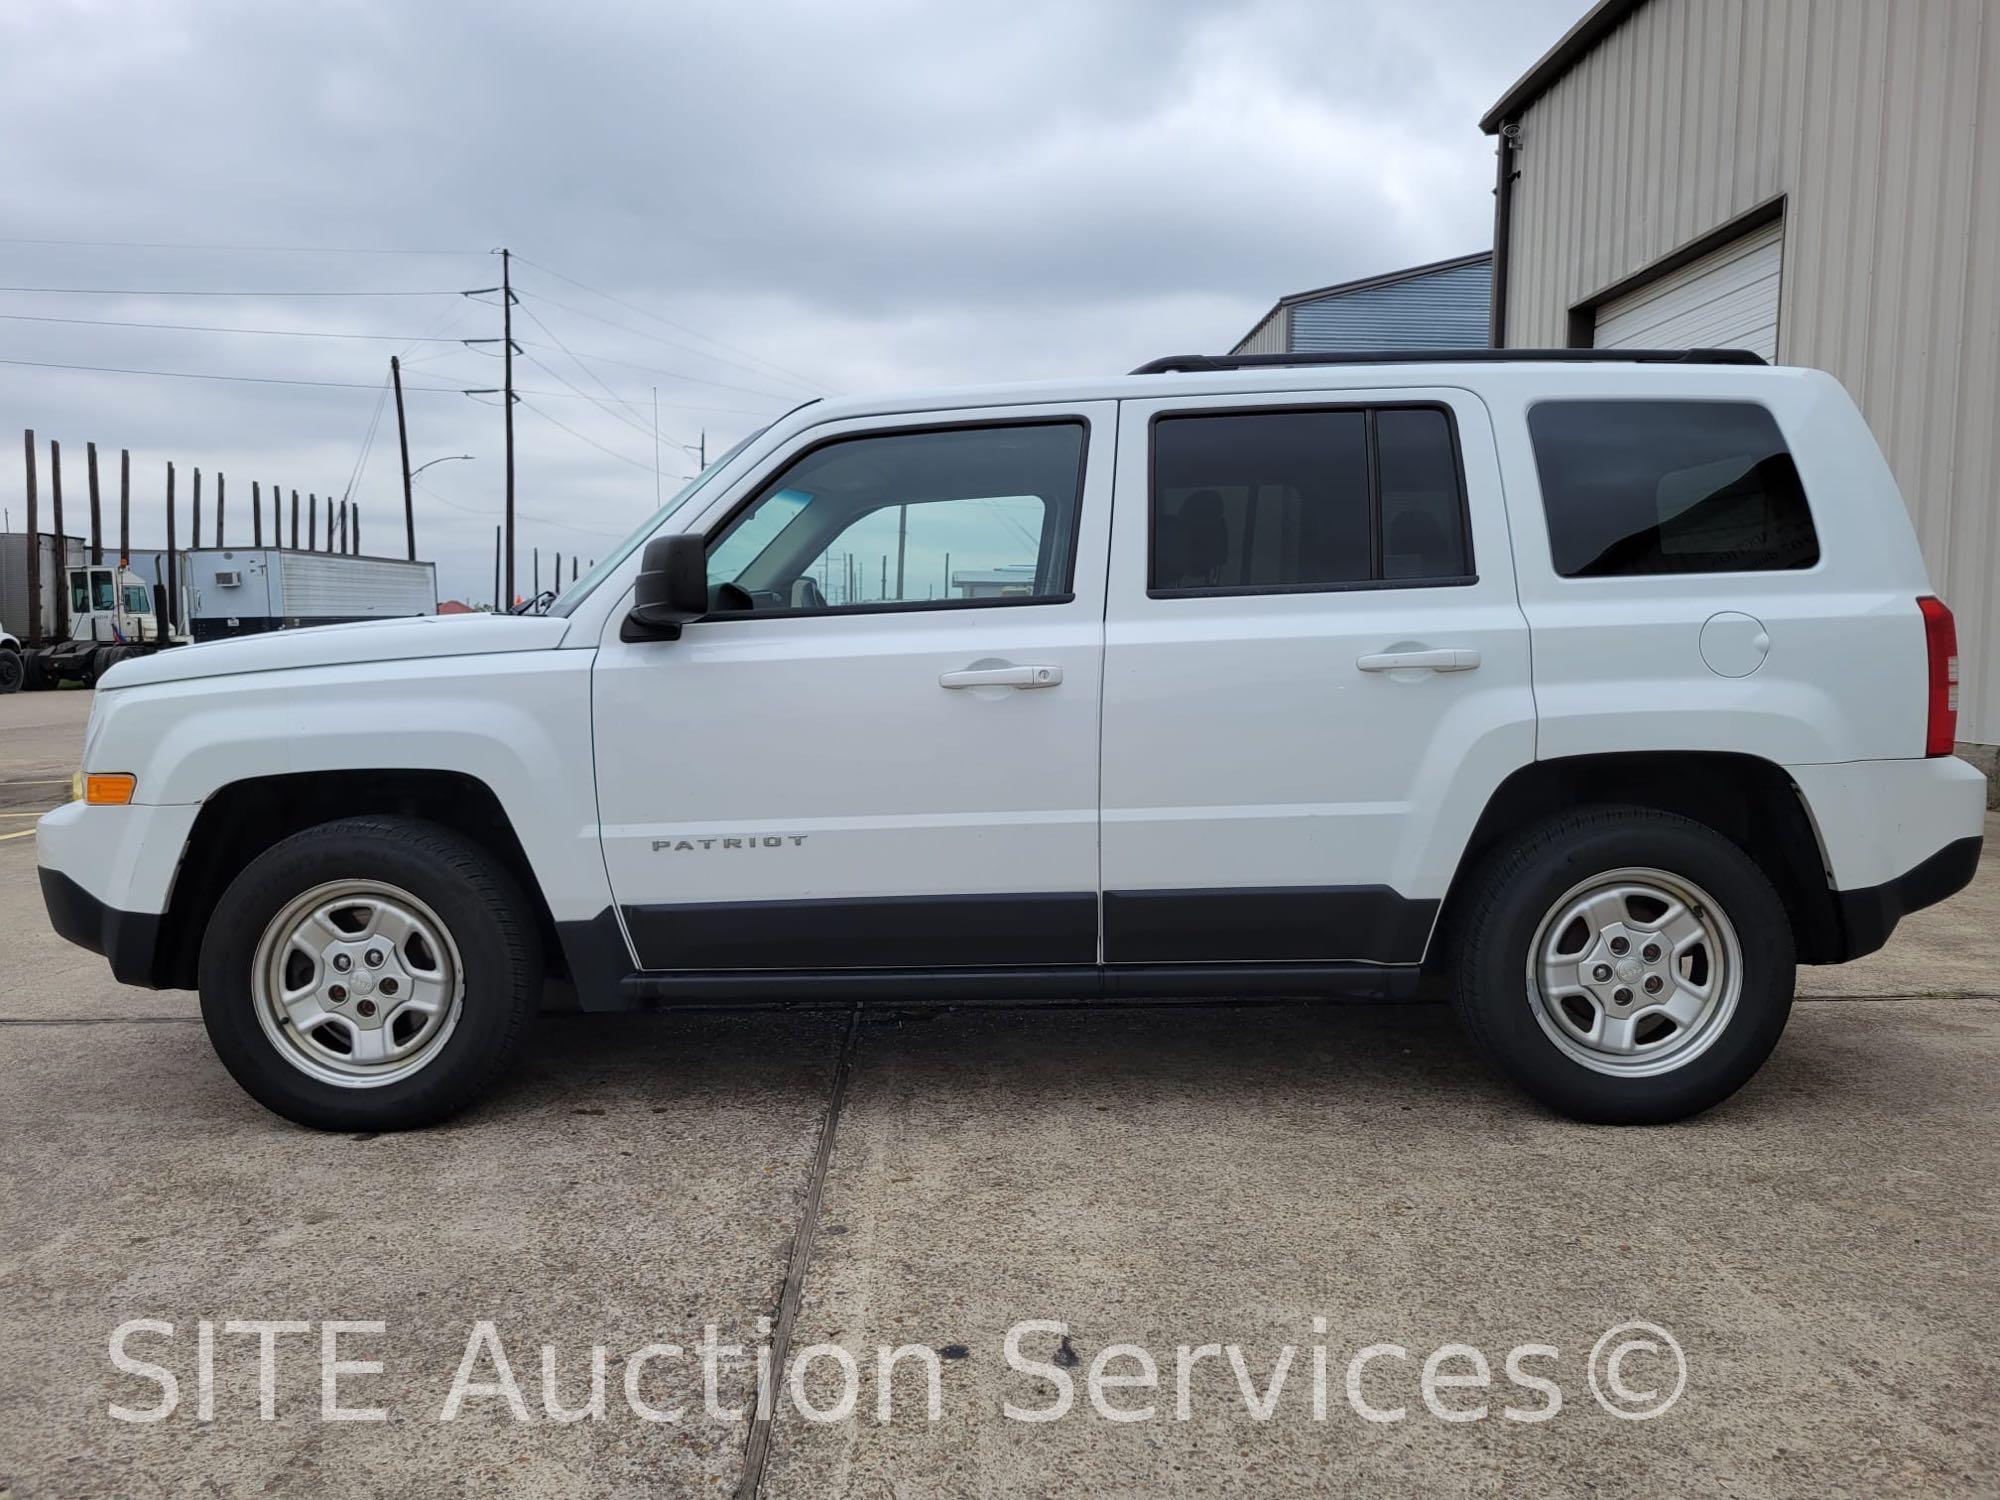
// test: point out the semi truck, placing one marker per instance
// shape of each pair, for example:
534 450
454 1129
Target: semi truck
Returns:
71 618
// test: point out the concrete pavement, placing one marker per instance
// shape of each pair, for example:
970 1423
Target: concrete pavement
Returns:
1821 1247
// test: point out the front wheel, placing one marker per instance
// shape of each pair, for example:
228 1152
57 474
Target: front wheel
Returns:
1625 966
11 671
370 974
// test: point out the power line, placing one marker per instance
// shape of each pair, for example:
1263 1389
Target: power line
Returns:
793 375
344 385
670 343
288 333
586 438
126 291
487 515
340 385
244 249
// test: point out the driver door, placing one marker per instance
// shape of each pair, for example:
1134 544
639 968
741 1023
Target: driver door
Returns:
879 750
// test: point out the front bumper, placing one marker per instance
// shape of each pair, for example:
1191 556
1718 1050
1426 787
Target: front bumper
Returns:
128 938
108 875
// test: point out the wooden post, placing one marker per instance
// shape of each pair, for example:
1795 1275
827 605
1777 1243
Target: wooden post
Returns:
535 555
124 507
194 530
34 630
558 572
295 520
172 593
355 540
312 522
277 518
403 437
256 514
497 609
96 509
221 498
62 541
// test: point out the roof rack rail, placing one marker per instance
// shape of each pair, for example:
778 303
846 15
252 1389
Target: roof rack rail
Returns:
1199 362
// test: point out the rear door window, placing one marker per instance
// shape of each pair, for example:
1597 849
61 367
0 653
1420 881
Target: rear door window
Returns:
1647 487
1270 501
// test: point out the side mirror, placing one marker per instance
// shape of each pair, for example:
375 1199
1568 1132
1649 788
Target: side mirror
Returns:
672 588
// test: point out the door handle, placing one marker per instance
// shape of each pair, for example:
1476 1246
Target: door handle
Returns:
1451 659
1014 677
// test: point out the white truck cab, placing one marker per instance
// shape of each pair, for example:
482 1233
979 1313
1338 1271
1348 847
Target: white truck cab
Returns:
1601 689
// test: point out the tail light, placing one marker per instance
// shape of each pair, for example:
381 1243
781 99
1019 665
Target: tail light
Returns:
1941 644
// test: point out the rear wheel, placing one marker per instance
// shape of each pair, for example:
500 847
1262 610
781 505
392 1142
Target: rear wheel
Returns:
374 973
1625 966
11 673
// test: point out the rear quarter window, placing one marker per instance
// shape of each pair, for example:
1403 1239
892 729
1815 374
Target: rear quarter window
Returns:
1648 487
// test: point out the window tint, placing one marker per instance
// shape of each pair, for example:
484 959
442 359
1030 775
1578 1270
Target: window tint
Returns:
1289 499
1634 487
965 514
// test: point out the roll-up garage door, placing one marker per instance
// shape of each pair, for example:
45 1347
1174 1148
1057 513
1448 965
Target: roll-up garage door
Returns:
1726 300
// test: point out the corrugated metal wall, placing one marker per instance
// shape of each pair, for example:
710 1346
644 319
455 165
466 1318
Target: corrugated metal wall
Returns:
1268 337
1446 309
1879 124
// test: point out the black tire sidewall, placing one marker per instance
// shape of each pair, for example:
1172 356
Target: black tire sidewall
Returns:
13 672
478 903
1520 891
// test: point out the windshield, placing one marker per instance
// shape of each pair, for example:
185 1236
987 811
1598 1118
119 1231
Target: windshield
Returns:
577 592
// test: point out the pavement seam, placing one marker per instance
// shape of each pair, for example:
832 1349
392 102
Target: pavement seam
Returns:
98 1020
757 1451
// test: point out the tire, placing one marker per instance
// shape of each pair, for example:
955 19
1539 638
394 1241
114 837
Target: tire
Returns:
1529 956
415 913
12 674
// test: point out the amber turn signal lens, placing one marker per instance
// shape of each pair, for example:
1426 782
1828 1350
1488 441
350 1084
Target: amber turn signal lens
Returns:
113 790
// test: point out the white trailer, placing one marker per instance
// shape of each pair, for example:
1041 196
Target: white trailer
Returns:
248 590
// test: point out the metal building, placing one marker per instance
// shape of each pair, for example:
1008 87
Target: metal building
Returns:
1819 182
1444 305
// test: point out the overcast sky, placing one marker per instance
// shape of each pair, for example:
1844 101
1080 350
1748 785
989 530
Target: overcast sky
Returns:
785 199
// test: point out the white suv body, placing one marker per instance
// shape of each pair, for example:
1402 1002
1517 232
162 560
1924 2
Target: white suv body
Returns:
1264 673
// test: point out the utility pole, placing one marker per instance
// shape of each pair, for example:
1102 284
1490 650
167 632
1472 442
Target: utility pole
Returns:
124 507
295 520
62 541
704 449
96 513
507 400
357 528
256 514
220 497
34 546
312 521
277 517
558 572
902 540
536 585
496 571
194 537
172 593
403 437
342 547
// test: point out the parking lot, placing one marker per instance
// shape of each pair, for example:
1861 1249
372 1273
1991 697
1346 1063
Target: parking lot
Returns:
1822 1247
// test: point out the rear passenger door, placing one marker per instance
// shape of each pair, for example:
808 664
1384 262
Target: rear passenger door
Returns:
1316 672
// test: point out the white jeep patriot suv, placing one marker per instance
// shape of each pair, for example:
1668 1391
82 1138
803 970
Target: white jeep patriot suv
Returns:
1602 688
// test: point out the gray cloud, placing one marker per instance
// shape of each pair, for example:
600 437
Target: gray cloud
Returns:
870 194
